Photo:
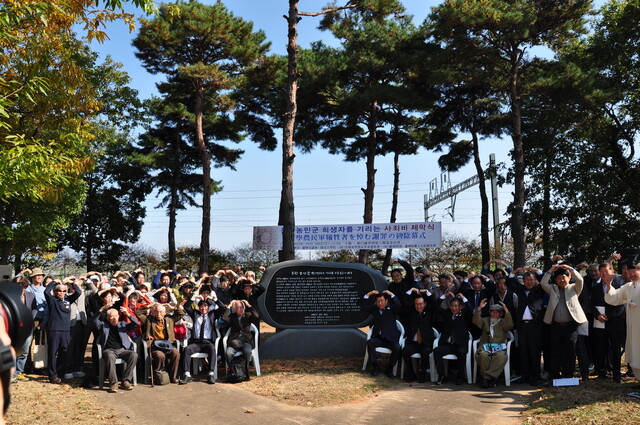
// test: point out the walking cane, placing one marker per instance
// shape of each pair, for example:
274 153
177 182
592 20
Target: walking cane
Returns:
151 364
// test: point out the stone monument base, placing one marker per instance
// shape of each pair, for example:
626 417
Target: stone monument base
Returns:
309 343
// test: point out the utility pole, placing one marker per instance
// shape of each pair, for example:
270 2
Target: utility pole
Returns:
437 195
435 198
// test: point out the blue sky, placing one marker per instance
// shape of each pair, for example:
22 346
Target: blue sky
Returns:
326 189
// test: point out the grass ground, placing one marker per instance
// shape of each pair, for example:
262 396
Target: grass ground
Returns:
591 403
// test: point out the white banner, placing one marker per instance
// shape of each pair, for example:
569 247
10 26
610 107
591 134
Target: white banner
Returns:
353 236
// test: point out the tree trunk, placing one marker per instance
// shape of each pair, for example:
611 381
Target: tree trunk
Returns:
172 225
394 207
484 201
286 215
6 245
517 213
546 210
90 232
372 151
205 158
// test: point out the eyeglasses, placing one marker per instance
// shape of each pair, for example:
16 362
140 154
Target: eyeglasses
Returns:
61 290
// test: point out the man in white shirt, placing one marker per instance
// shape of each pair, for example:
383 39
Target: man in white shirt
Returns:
203 336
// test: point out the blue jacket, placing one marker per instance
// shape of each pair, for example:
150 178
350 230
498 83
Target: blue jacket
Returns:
60 308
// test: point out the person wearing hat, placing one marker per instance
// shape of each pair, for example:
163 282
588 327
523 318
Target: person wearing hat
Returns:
629 295
37 288
59 326
564 314
491 355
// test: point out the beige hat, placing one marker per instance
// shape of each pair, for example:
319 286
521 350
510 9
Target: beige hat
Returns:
37 271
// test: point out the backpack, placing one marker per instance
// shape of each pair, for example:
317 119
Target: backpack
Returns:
237 370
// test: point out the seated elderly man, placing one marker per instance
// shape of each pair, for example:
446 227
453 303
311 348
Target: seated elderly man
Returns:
492 353
240 317
116 344
159 327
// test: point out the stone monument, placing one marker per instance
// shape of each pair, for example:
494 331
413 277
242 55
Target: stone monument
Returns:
315 307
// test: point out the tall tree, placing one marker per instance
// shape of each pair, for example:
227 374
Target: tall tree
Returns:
37 61
112 216
502 33
351 88
467 105
172 162
206 53
286 212
582 140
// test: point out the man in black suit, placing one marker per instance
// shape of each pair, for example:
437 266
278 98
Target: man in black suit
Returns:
455 336
610 330
419 333
528 319
116 344
203 336
479 290
385 333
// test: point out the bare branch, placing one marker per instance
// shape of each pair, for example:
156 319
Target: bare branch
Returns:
322 12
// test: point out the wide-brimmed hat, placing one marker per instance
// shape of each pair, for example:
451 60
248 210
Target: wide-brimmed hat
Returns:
37 271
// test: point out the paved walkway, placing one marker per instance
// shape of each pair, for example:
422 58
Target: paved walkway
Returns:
200 403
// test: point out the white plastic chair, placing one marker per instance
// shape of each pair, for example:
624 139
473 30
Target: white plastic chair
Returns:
432 360
507 366
101 367
197 359
418 356
255 358
383 350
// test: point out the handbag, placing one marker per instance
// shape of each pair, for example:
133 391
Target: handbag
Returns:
180 331
39 350
161 377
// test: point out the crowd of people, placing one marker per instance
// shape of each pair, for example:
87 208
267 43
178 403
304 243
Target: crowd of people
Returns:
546 319
551 317
166 319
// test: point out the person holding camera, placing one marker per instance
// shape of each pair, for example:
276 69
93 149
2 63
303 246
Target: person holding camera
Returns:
455 335
492 346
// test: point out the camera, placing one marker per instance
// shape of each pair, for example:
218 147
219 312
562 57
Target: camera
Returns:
15 316
18 323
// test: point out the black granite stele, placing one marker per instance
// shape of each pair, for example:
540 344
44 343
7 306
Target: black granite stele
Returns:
314 305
